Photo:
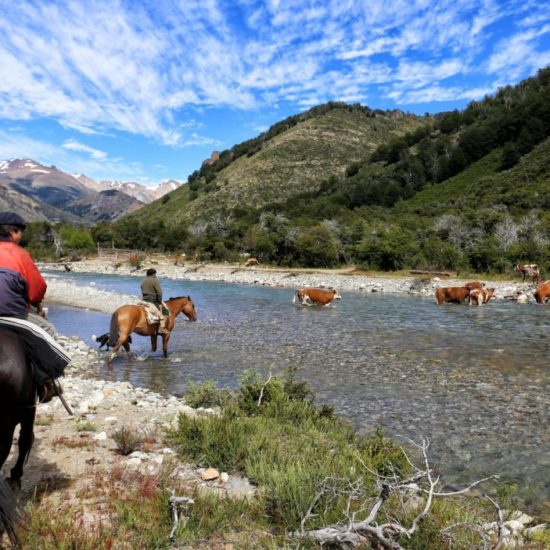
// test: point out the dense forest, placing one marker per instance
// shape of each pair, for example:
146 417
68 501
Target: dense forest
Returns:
463 190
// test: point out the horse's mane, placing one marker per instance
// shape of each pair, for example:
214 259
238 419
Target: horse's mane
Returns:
179 298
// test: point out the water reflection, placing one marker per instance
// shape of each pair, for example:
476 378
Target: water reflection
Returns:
474 380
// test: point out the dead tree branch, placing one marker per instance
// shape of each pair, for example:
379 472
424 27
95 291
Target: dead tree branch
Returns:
354 532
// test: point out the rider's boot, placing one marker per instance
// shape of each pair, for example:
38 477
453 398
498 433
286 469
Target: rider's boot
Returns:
48 390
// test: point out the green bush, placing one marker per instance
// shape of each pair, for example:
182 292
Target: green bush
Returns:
285 444
206 394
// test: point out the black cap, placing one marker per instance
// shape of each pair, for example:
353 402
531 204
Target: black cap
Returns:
11 218
150 272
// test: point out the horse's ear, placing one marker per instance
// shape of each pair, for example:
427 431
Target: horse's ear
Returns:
189 297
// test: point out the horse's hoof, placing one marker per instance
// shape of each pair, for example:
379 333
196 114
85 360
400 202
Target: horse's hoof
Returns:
14 482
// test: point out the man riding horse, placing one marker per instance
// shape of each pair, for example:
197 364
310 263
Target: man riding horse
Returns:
152 294
22 286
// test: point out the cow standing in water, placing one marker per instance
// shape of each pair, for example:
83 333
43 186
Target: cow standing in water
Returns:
458 294
528 270
542 293
480 296
315 296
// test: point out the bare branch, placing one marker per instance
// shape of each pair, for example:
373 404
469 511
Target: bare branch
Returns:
262 390
500 523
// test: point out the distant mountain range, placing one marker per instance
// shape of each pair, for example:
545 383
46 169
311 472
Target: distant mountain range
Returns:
45 193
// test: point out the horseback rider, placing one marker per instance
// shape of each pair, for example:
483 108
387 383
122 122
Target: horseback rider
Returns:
152 293
22 286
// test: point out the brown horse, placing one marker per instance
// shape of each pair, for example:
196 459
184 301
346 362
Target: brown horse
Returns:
133 318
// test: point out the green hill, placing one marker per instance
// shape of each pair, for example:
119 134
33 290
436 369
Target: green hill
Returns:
293 157
343 184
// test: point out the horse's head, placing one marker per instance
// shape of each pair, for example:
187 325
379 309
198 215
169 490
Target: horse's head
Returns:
183 304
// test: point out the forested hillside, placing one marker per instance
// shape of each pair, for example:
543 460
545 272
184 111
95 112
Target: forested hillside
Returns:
345 184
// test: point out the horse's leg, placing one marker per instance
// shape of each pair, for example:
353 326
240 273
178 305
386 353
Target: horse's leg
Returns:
165 338
122 341
154 342
26 439
6 439
126 346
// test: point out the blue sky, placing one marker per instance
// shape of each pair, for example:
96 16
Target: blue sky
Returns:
146 90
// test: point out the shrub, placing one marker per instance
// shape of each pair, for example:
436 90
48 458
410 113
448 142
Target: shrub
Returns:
127 440
206 395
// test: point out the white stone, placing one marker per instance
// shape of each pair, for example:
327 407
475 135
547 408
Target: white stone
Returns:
101 436
139 454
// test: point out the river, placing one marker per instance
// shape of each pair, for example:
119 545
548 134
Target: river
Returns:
474 380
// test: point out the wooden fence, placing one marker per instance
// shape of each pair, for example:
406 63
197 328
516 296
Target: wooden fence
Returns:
113 253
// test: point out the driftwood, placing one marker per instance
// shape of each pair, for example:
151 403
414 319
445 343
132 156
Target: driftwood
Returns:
175 503
351 531
433 273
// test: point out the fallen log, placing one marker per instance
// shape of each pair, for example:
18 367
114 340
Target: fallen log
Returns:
434 273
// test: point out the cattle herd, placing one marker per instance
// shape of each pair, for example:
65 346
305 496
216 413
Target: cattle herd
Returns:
473 292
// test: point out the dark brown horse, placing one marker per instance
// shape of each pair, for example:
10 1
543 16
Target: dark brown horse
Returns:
133 318
17 400
17 406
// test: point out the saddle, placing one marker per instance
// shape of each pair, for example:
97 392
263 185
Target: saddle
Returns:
152 312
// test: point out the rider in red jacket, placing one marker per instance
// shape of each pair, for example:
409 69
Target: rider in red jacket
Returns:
21 284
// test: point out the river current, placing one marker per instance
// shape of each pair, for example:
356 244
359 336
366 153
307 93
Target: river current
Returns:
474 380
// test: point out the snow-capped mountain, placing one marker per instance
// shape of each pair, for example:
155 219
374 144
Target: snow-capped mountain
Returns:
45 193
137 190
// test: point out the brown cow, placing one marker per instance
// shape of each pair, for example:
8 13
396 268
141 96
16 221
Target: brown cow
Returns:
528 270
250 262
457 294
315 296
480 296
542 292
474 284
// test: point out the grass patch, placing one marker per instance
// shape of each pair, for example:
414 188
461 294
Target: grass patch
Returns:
85 426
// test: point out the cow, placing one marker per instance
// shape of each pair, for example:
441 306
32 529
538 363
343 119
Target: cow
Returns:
315 296
457 294
250 262
474 284
528 270
542 292
480 296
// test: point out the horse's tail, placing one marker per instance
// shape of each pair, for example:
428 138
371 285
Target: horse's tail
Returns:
113 331
9 513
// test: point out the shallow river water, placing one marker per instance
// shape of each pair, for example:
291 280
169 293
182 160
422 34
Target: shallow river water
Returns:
474 380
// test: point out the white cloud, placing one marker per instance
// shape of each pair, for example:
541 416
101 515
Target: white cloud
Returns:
103 67
81 148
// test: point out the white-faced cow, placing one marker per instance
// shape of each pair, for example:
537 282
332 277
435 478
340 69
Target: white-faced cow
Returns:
528 270
315 296
480 296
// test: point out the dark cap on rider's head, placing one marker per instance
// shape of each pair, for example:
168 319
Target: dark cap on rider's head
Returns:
11 218
150 272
